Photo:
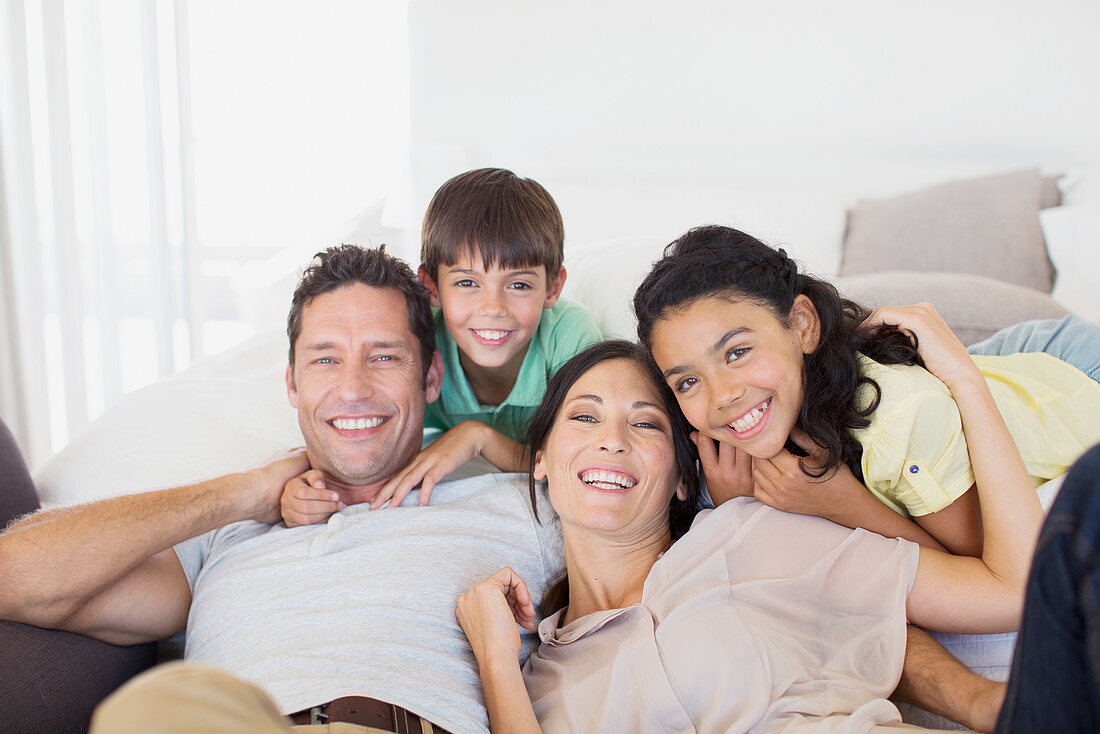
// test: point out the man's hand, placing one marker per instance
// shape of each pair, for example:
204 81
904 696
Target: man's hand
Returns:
454 448
489 612
781 483
306 500
266 483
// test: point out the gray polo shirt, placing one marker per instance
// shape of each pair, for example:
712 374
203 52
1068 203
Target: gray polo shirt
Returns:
364 604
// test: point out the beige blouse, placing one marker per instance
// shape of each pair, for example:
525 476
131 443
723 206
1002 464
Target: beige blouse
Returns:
756 620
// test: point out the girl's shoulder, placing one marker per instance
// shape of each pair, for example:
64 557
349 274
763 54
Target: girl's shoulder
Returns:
897 381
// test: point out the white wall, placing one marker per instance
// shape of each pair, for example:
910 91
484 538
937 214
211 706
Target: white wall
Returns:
645 117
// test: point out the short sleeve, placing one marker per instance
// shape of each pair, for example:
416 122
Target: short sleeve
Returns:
192 554
435 418
914 453
574 330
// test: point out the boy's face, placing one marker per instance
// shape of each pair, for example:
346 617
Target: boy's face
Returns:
492 313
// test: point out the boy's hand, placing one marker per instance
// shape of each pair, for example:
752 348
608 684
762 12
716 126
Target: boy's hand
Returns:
306 500
451 450
781 483
268 481
728 469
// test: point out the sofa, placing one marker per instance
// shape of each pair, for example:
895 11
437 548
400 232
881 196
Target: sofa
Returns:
974 248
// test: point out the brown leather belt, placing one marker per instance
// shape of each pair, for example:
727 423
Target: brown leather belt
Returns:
367 712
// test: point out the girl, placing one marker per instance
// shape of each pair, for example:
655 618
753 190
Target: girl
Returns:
808 402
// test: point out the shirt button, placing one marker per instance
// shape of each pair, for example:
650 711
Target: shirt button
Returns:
913 469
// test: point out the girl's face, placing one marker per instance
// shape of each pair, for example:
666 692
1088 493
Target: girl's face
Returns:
736 369
609 457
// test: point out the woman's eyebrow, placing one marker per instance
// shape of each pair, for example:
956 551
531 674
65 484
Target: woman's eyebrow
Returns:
587 396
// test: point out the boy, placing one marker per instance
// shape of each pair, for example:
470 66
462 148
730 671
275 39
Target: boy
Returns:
491 254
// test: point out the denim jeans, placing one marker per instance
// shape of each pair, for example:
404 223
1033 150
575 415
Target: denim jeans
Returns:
1071 339
1053 686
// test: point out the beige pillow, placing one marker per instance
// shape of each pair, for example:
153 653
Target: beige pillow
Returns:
986 226
974 307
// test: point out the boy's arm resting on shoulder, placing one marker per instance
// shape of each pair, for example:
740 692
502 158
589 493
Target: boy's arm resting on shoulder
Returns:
462 444
502 452
108 569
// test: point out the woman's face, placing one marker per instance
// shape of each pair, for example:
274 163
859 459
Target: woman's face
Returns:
609 458
736 369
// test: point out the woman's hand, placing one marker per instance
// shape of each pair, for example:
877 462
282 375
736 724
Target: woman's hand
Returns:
489 613
943 354
728 469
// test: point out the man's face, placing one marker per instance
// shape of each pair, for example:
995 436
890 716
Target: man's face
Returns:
356 383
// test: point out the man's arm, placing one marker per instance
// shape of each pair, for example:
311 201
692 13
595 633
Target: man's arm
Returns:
107 568
936 681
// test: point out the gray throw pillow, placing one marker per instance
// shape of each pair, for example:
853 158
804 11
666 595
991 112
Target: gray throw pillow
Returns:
973 306
987 226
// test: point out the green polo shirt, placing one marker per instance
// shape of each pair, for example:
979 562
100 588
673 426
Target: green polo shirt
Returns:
563 330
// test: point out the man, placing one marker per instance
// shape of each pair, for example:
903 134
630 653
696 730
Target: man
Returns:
360 606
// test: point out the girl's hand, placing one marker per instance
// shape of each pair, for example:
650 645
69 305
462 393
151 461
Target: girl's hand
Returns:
781 483
943 354
306 501
728 469
489 613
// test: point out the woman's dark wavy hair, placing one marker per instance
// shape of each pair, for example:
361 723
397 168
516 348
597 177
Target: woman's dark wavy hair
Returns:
727 263
542 423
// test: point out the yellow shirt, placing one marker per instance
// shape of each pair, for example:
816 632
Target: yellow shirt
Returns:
914 454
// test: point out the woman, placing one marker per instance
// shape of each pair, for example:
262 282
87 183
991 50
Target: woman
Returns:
799 621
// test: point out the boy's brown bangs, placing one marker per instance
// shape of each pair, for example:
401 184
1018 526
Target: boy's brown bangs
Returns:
509 222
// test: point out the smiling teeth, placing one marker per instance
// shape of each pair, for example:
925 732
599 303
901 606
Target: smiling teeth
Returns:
750 419
491 334
607 479
356 424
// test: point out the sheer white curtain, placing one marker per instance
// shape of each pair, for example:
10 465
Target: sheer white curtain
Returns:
165 162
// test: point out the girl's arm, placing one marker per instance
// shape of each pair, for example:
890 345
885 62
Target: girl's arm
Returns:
959 593
838 496
488 614
959 525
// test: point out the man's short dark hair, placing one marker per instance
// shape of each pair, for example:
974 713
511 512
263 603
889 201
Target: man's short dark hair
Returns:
337 267
509 221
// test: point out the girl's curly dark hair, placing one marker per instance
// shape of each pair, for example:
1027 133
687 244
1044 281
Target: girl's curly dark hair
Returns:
725 262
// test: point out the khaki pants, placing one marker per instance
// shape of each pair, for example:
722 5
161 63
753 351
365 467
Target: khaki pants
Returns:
185 697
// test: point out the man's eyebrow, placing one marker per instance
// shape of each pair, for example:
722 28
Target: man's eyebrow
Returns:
717 347
379 344
318 346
